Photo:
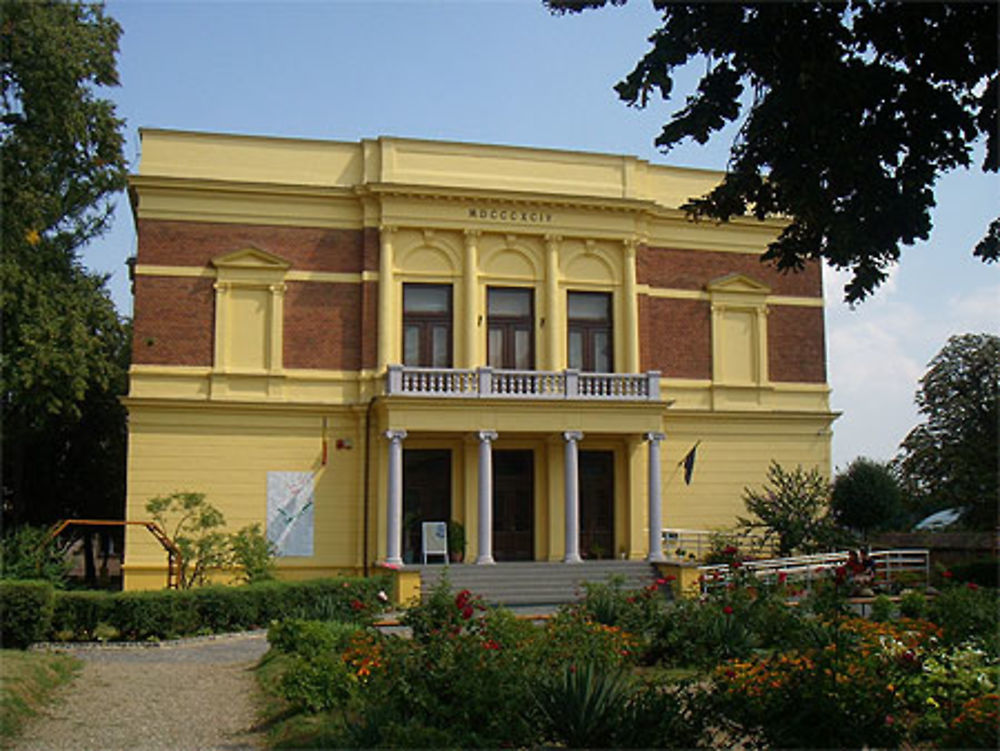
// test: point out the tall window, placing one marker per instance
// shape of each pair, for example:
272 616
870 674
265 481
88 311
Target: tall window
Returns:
427 325
589 345
510 333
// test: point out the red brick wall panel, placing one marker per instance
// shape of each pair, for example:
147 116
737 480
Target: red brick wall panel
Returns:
674 268
675 337
173 321
369 328
172 243
323 326
795 344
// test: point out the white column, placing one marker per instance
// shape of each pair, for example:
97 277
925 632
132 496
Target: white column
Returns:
655 500
572 497
485 496
394 500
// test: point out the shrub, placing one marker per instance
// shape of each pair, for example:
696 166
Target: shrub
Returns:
25 612
171 613
77 614
968 612
317 683
582 706
882 609
913 604
252 554
28 553
311 638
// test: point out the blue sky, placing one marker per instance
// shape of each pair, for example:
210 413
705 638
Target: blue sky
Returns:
508 72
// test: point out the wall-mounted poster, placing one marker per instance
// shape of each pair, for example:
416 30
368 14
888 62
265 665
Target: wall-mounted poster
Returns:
290 512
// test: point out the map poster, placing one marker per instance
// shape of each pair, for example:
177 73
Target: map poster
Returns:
290 503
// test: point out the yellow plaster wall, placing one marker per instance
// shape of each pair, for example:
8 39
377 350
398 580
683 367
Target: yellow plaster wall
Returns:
226 454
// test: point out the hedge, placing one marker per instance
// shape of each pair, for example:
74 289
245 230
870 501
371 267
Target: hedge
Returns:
136 616
25 612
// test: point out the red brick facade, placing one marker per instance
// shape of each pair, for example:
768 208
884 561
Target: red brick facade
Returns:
174 321
671 268
796 348
166 243
323 326
675 337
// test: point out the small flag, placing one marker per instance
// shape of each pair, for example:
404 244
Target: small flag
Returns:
689 464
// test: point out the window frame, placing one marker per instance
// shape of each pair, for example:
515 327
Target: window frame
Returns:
588 328
509 326
426 323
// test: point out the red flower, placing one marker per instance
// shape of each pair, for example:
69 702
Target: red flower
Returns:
490 644
782 577
661 581
670 578
462 599
737 564
728 610
467 612
890 720
972 585
357 604
947 574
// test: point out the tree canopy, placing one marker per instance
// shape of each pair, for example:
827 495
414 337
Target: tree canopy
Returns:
951 458
64 346
852 111
866 496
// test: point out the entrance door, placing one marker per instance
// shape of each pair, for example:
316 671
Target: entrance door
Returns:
597 504
426 494
513 505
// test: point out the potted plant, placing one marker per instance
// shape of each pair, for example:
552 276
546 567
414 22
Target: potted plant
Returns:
456 541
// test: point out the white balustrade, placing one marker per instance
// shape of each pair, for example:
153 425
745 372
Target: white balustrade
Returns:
521 384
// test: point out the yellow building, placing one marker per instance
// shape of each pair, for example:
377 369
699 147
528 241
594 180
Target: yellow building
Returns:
340 340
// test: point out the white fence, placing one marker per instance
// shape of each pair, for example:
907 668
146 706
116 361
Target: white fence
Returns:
890 565
695 544
488 383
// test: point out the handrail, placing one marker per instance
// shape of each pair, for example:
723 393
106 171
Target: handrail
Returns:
888 564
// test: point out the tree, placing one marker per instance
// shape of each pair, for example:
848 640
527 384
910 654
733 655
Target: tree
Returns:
866 496
65 348
792 510
193 525
854 109
951 458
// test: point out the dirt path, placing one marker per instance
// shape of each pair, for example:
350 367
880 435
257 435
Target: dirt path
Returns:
196 695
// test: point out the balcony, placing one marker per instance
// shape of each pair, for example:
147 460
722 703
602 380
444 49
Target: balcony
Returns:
487 383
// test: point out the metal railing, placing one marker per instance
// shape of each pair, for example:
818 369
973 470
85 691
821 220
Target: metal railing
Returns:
488 383
682 544
889 566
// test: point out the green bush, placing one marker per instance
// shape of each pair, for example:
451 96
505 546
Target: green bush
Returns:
214 609
967 612
317 683
28 553
983 572
912 604
77 614
310 638
25 612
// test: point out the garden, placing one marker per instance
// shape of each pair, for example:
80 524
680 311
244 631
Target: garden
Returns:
641 669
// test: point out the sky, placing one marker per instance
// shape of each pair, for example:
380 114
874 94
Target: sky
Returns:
508 72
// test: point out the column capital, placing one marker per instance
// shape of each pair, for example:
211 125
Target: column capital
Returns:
486 436
387 229
395 435
571 436
553 240
654 437
471 235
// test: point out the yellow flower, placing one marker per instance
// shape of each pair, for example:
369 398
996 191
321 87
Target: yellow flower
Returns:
33 237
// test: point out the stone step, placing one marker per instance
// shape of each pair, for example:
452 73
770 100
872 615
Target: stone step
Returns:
535 583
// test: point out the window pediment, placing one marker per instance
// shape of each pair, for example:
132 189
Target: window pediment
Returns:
251 259
737 284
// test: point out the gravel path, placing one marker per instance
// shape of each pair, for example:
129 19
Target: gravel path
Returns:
193 695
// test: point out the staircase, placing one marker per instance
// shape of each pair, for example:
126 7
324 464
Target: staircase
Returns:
535 582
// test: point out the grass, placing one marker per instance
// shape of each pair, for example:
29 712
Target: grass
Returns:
27 681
